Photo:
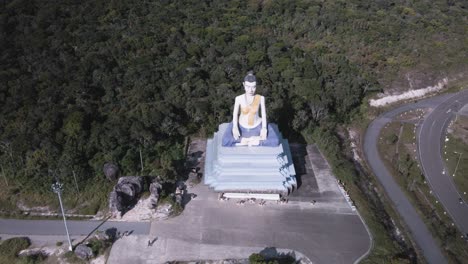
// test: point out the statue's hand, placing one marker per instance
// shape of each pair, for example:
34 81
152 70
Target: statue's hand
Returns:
235 132
254 142
263 133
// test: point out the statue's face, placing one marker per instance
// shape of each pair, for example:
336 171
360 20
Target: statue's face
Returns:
250 88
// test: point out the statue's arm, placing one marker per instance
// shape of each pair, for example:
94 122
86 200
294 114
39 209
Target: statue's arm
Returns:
264 131
235 117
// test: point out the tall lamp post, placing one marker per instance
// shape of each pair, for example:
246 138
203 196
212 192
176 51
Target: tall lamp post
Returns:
57 187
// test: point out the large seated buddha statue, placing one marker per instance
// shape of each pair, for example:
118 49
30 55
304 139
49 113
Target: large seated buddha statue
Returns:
235 169
248 128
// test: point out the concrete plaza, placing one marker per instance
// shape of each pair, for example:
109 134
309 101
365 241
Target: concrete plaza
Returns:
328 230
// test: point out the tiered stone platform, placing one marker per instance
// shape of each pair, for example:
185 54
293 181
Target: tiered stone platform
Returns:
249 172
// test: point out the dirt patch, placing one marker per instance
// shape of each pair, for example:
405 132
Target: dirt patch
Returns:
355 142
411 149
459 128
388 99
412 115
422 76
39 209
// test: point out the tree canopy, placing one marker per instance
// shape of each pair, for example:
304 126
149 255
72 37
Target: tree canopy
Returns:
88 82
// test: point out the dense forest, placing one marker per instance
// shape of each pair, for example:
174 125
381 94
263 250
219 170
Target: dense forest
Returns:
83 83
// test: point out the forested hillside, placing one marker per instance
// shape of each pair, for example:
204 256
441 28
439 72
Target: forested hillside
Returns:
88 82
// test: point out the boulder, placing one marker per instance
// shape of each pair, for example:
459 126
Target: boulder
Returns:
181 185
130 186
114 205
36 253
125 194
111 171
155 189
84 252
109 234
178 198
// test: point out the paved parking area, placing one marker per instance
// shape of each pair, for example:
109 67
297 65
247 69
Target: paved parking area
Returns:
327 231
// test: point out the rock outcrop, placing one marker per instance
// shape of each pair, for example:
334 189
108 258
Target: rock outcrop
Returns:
111 171
84 252
125 194
155 189
180 191
34 253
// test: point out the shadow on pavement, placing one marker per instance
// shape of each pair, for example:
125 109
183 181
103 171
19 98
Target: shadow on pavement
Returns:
272 254
111 232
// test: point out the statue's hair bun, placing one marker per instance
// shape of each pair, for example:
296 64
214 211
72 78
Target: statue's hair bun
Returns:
250 77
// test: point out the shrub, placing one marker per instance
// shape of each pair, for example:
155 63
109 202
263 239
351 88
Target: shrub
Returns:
11 247
97 246
256 258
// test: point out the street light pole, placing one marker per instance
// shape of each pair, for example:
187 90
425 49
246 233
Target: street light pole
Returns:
458 162
141 160
57 187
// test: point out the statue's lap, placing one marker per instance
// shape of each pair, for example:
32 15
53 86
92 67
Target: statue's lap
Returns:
272 139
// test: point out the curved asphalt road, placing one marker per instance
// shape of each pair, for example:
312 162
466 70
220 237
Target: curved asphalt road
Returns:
416 226
430 141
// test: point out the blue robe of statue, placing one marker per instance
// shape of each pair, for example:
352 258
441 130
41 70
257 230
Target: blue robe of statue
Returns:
271 140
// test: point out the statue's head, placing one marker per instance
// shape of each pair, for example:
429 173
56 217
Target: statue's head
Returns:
250 83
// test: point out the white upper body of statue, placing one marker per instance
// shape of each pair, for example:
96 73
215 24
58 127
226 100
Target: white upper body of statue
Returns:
246 113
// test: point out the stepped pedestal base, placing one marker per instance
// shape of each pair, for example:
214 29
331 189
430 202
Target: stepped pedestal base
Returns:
249 172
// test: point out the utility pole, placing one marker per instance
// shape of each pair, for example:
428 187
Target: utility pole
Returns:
57 187
141 160
458 162
4 176
76 183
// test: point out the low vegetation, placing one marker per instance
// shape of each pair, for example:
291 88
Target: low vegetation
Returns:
99 246
257 258
10 248
388 245
70 257
456 155
103 81
90 82
397 148
176 208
